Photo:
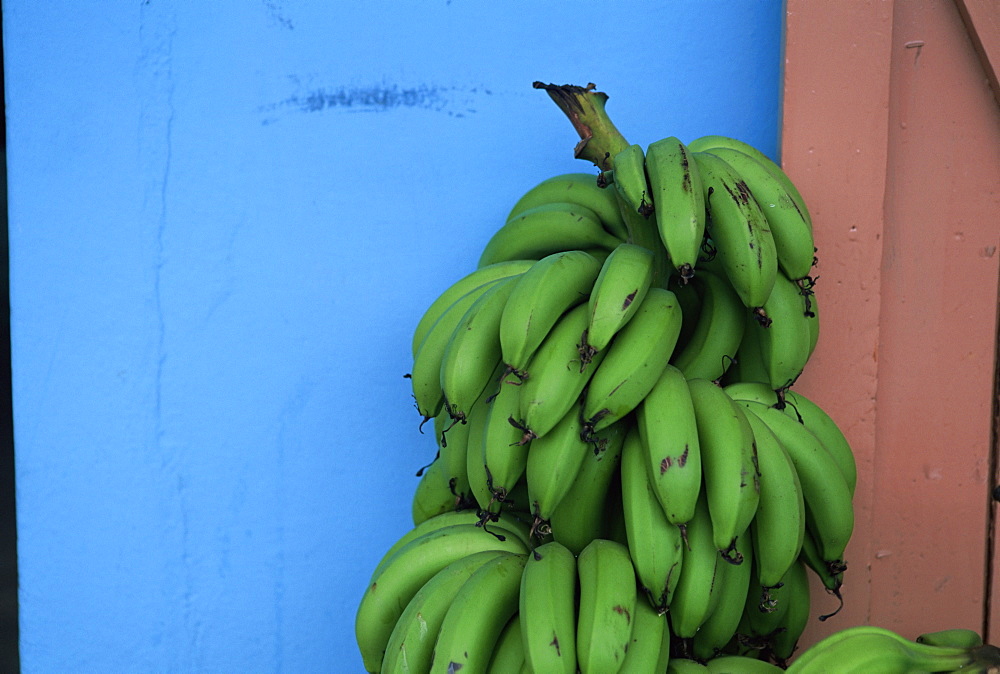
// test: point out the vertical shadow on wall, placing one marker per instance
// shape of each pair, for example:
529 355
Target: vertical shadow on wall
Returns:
9 654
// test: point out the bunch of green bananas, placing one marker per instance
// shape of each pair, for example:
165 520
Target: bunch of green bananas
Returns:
623 479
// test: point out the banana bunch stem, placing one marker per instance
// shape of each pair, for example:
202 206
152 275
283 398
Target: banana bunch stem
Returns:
600 140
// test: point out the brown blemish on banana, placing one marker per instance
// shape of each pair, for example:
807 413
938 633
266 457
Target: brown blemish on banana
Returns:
629 299
555 642
621 610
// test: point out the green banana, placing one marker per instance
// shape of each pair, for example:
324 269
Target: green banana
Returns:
467 283
790 227
504 526
748 365
713 343
692 602
607 606
453 438
574 188
411 642
829 511
576 519
794 617
831 575
740 231
713 142
504 445
508 654
686 666
729 465
548 609
649 649
618 292
557 374
410 567
425 376
433 495
677 191
482 607
639 353
545 230
765 608
868 648
470 358
654 543
721 624
779 526
554 285
809 414
554 461
741 664
668 430
630 180
785 338
956 637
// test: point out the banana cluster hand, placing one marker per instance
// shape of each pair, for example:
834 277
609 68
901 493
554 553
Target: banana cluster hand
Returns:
623 479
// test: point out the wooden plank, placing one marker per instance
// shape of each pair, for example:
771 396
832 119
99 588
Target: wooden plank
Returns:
834 140
937 329
982 21
900 173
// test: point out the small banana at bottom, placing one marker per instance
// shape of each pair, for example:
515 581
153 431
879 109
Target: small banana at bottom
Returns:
867 648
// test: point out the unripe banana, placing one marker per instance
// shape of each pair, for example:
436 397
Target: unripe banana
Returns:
505 446
779 526
554 285
630 180
795 615
712 346
577 519
829 511
720 626
686 666
502 527
508 654
607 606
545 230
711 142
554 461
469 282
668 429
558 375
741 664
790 227
574 188
867 648
433 495
740 231
471 355
654 543
729 465
785 338
639 353
411 643
679 203
748 365
649 649
548 609
810 415
481 609
618 292
956 637
425 377
692 601
410 567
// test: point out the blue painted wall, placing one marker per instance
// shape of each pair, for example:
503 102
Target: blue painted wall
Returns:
225 220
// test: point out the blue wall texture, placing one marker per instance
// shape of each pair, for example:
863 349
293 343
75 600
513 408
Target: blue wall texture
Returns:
225 220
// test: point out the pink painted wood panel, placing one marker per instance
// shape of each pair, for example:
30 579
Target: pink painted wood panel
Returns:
893 136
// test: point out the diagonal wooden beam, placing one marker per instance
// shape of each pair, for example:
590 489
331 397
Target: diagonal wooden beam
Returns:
982 20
